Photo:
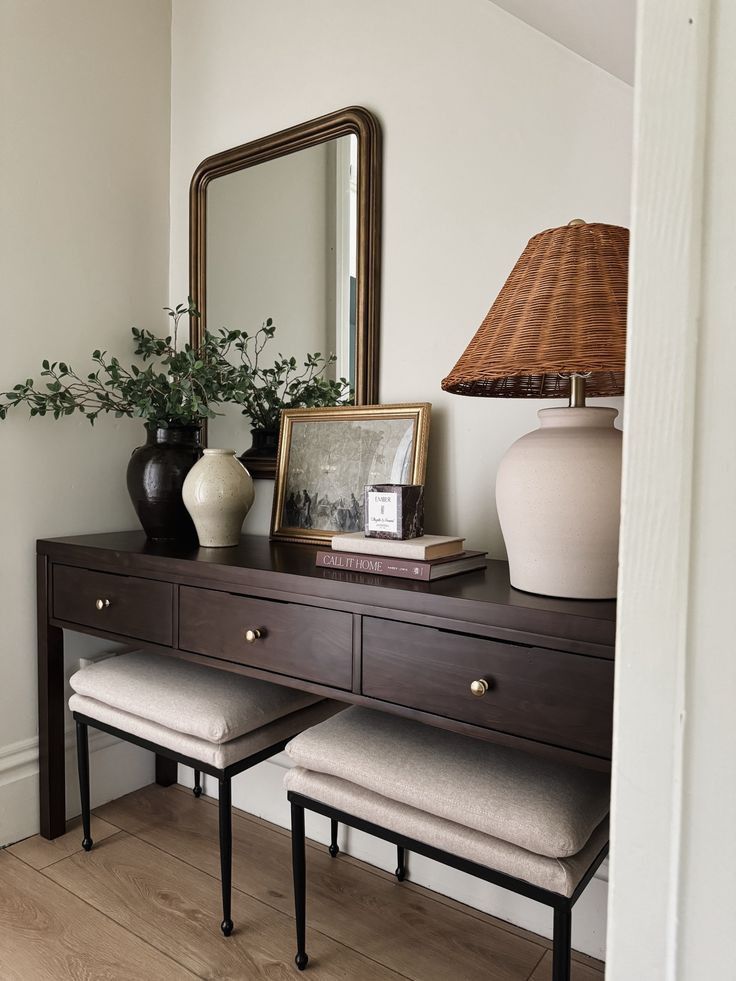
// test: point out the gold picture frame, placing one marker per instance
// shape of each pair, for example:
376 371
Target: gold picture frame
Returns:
327 456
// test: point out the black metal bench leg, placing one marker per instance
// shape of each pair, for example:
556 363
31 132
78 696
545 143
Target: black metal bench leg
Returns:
197 788
334 849
400 863
562 949
83 765
299 863
226 853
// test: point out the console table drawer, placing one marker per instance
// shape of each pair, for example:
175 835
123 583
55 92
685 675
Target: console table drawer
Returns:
299 641
138 608
550 696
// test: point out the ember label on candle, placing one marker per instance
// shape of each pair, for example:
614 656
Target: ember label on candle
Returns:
382 512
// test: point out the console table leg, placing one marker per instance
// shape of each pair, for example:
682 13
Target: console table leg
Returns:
166 771
51 751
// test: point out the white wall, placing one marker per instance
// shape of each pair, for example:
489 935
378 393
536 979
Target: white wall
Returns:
84 157
673 906
491 132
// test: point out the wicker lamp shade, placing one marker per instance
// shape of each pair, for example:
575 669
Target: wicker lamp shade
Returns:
561 311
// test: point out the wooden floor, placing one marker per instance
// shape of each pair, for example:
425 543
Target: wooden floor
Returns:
145 904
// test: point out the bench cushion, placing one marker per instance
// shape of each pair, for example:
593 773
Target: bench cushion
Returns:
557 875
542 806
209 704
219 755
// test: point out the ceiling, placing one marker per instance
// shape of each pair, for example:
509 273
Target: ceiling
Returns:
602 31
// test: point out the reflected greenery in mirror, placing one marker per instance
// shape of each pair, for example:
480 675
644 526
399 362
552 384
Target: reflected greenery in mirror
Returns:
263 391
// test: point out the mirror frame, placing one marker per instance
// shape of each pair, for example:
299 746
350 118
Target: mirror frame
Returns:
355 120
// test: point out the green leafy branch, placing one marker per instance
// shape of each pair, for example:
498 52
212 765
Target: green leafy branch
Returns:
169 387
262 392
172 387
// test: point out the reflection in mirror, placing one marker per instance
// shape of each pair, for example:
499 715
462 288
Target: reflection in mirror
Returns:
287 229
282 243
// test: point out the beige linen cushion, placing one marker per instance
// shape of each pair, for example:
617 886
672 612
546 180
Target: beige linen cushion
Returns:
544 807
207 703
219 755
557 875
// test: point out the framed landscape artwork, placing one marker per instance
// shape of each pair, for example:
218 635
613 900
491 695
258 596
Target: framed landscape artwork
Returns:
327 456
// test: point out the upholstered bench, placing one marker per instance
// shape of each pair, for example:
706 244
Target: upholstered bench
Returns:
536 827
214 721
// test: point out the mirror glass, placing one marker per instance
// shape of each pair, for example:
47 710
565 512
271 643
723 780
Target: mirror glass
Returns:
281 243
288 228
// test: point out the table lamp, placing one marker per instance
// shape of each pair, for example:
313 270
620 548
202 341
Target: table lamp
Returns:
558 328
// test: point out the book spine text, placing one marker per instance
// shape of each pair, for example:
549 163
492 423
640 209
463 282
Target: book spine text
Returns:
378 565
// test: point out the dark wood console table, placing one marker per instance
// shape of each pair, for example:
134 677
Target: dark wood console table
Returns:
263 609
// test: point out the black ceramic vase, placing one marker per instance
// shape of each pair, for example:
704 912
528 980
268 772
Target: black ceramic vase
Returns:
260 459
155 477
265 445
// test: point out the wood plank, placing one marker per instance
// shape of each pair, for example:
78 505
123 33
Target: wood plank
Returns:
580 971
39 852
376 916
178 910
46 934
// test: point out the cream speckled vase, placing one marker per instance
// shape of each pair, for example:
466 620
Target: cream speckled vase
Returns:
558 495
218 493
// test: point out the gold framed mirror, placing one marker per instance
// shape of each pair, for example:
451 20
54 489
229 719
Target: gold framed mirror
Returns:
288 227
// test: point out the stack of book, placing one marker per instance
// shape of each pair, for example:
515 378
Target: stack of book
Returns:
426 558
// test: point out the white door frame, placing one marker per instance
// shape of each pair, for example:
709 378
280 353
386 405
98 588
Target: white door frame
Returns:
678 310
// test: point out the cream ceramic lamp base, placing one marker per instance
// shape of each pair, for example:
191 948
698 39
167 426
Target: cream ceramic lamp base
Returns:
558 496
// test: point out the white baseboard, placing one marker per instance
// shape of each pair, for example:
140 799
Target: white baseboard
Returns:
116 768
260 791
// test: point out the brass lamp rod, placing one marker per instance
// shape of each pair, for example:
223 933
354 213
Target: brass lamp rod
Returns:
577 391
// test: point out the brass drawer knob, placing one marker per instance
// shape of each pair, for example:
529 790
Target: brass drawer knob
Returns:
102 604
479 687
253 635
